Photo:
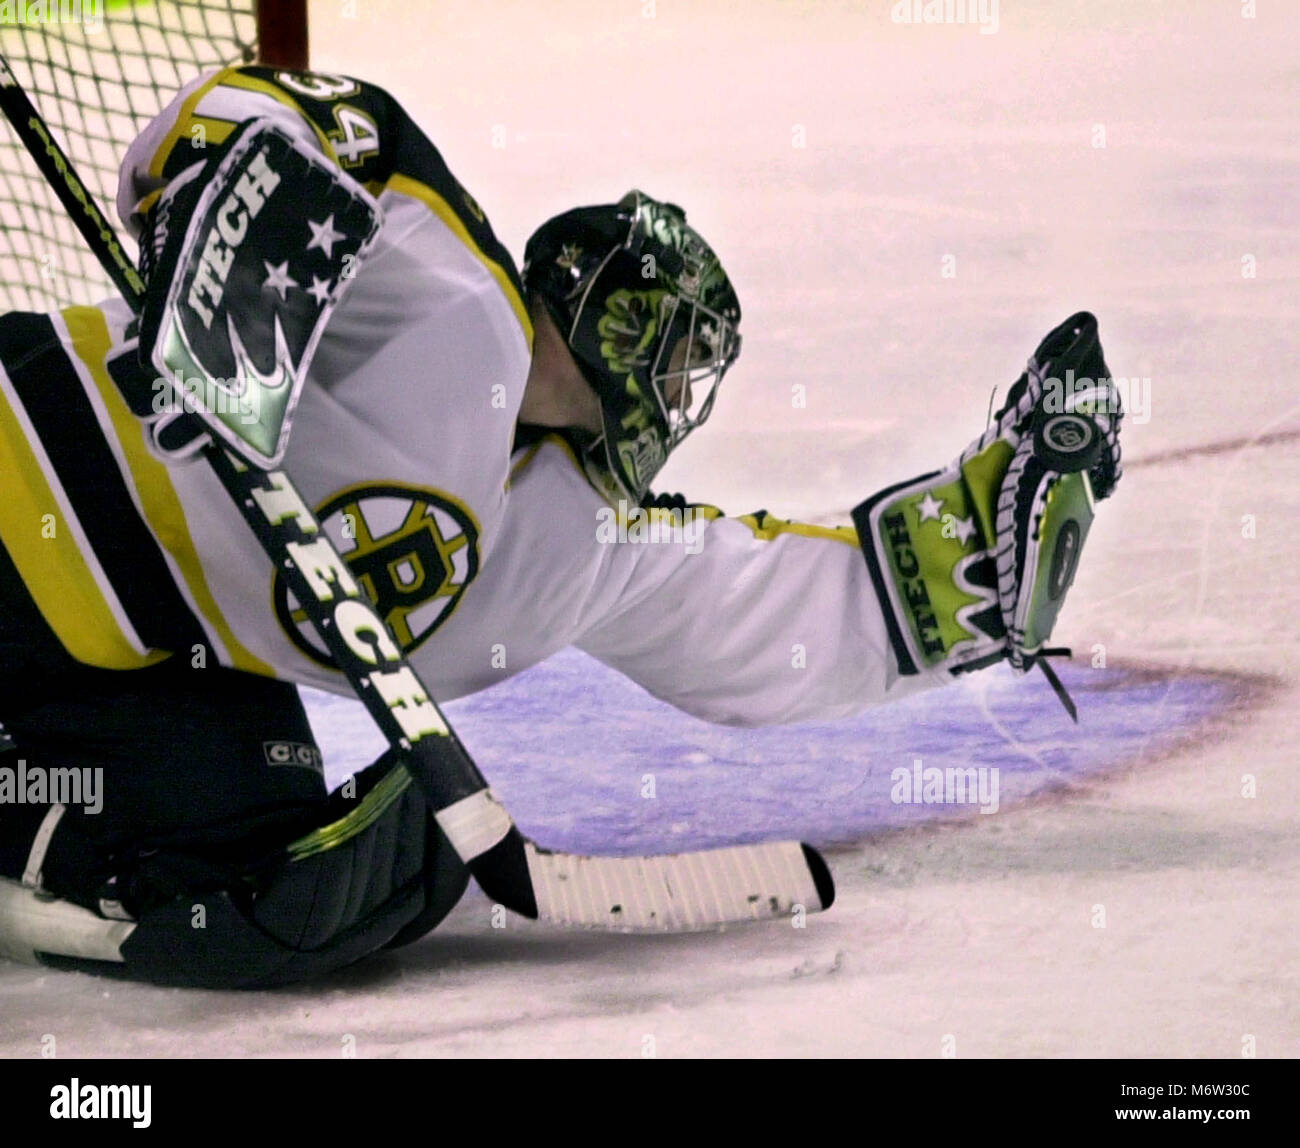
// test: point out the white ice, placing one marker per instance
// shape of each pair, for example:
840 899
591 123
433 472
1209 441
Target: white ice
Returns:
835 159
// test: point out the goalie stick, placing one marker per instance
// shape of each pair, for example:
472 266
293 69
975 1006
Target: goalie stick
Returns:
677 892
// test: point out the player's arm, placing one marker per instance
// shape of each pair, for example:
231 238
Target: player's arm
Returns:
756 620
746 620
357 127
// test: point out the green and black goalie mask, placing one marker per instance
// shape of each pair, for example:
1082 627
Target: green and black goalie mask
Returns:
651 319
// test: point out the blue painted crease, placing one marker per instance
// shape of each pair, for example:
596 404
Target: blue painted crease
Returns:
586 761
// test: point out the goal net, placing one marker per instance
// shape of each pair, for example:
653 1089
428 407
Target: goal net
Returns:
98 71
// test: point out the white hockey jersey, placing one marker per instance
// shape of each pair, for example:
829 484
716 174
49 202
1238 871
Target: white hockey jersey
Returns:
484 551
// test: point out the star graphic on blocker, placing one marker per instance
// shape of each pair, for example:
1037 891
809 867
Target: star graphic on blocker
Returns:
324 236
963 528
319 290
278 278
929 507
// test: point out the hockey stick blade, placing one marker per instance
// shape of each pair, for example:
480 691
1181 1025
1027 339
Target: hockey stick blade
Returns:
680 892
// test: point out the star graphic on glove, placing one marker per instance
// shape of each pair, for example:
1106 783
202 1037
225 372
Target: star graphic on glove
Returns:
963 528
324 236
929 507
319 290
278 278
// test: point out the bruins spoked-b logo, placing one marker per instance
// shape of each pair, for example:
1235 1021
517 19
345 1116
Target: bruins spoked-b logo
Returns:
412 549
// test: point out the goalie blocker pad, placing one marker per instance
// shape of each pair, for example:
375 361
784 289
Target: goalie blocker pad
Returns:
379 874
246 256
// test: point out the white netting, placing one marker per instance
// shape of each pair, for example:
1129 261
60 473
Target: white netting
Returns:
97 81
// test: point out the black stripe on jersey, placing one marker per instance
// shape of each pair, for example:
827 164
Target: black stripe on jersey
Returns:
181 157
29 648
47 384
403 150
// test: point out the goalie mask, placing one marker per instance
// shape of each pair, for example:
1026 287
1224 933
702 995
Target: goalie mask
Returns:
651 319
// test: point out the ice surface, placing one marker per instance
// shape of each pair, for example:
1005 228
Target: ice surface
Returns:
1145 907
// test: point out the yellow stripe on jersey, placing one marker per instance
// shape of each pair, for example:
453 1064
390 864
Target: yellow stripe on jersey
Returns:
529 454
218 130
146 204
158 499
184 121
49 559
215 132
414 189
233 78
766 528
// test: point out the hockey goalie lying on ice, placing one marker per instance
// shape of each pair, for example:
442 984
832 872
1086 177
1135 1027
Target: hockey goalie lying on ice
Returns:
480 445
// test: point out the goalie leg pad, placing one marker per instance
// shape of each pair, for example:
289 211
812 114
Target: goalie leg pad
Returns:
378 873
211 856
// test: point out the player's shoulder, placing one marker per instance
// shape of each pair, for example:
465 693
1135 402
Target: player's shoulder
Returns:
358 124
557 467
557 459
372 137
546 455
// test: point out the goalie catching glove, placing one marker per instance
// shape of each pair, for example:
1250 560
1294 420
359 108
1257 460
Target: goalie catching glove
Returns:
245 255
971 564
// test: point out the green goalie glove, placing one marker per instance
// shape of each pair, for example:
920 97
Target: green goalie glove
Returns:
972 563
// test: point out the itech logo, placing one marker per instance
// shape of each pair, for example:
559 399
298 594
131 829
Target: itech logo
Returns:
243 204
